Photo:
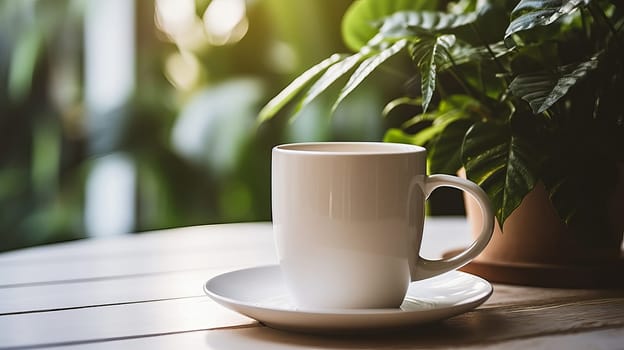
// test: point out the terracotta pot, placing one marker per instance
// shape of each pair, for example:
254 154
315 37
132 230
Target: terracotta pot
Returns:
534 234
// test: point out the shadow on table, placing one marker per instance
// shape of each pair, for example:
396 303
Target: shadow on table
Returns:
471 328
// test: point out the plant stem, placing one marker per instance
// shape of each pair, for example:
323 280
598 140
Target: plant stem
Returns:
489 49
620 27
481 80
462 82
596 11
441 90
585 26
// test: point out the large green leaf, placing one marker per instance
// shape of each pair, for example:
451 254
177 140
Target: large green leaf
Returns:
367 67
359 24
444 154
543 89
410 23
286 95
535 13
427 119
458 113
433 124
503 165
332 74
421 138
450 109
400 136
430 54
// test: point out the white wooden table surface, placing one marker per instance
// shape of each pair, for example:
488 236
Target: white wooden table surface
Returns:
145 292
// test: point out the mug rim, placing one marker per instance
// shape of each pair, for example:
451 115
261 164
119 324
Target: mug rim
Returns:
380 148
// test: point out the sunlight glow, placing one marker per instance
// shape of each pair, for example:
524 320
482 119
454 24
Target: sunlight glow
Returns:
225 21
282 58
179 22
173 17
182 69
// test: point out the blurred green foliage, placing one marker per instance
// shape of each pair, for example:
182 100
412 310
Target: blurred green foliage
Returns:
199 155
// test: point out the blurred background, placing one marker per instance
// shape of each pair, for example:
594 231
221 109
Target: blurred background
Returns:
121 116
125 116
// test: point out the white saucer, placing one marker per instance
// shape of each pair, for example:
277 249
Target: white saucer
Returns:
260 293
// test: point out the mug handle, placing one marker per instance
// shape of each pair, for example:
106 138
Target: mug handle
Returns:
425 268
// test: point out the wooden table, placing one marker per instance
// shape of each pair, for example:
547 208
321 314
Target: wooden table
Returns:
145 292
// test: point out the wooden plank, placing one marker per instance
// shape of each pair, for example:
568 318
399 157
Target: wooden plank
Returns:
141 276
144 255
506 295
546 325
607 339
131 266
49 297
122 274
116 321
441 234
261 338
184 239
42 297
199 247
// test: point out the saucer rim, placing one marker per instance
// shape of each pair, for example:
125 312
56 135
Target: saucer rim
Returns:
473 301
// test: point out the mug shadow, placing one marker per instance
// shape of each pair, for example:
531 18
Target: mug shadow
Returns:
470 328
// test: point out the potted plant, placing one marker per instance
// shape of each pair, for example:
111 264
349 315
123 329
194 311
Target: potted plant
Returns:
525 97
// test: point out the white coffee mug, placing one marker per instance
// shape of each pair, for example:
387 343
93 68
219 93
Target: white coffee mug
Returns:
348 220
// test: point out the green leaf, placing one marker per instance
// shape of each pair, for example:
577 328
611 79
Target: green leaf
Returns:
429 55
401 101
454 116
426 118
410 23
400 136
468 105
421 138
445 153
430 133
436 122
543 89
451 108
286 95
366 68
358 23
397 136
534 13
332 74
503 165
